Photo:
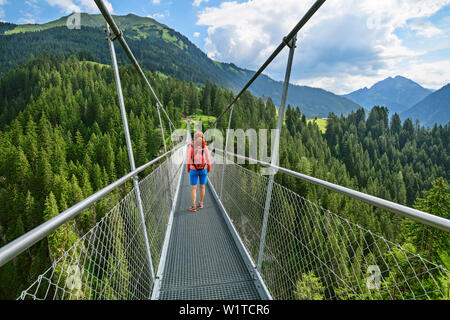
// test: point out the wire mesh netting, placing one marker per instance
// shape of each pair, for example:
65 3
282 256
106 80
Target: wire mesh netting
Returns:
313 253
110 261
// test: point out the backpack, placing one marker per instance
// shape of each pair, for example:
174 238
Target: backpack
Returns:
198 157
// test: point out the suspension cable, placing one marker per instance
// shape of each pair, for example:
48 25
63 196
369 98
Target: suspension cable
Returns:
283 44
119 36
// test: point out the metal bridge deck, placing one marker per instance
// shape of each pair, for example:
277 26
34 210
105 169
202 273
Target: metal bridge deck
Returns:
203 260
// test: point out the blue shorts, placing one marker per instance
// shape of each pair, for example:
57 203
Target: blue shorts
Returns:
196 174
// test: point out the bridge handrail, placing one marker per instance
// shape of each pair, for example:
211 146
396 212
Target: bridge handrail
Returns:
17 246
414 214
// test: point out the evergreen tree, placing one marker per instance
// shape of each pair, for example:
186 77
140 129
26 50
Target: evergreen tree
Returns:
431 242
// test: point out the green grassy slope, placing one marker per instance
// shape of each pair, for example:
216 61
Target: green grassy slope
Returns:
321 123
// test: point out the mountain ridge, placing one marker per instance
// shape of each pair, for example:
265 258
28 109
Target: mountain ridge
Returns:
434 108
397 93
163 49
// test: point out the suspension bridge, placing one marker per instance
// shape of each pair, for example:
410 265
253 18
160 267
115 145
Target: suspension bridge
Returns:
254 239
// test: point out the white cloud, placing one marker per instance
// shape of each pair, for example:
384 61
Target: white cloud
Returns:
2 11
432 75
425 29
156 16
197 3
69 6
343 82
29 18
32 3
156 1
196 34
344 45
90 6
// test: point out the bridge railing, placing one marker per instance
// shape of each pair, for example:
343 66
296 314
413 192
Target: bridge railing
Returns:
310 252
110 260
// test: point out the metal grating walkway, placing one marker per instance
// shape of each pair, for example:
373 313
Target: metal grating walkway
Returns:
203 260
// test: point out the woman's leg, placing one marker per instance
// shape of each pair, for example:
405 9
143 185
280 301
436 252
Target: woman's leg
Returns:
194 193
203 179
193 177
202 192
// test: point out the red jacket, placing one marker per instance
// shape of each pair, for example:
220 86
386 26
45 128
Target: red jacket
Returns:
190 156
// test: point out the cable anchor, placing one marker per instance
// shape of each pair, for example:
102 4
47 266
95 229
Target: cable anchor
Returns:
292 43
112 36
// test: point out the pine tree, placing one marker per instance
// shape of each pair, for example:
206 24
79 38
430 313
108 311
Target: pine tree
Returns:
429 241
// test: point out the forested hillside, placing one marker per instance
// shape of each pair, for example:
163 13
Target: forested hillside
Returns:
395 161
369 153
158 48
435 108
61 139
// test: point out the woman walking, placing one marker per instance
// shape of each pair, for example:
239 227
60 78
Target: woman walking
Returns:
198 165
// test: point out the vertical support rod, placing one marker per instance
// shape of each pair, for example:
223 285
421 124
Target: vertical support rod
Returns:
224 154
129 148
159 106
170 122
171 135
276 147
188 131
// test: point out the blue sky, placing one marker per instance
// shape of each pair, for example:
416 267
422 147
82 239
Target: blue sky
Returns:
347 44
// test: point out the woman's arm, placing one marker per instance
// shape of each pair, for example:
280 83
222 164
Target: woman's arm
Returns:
189 157
208 159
